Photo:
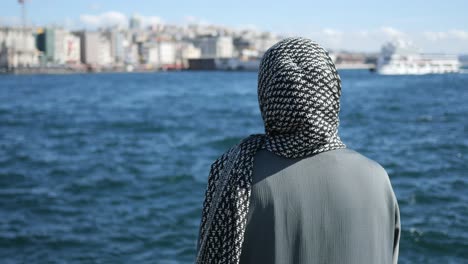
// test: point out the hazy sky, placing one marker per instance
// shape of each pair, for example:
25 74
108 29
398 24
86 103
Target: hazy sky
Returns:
434 26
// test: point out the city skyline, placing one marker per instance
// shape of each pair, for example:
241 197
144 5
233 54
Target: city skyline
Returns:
430 25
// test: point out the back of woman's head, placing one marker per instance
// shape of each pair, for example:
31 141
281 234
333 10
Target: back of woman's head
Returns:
299 90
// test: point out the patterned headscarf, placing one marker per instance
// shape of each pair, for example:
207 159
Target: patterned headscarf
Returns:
299 96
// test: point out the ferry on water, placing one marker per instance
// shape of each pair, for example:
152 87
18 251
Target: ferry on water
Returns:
403 58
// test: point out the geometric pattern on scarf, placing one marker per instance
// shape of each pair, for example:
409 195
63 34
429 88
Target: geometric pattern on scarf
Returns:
299 93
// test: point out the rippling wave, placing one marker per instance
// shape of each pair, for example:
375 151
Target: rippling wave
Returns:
111 168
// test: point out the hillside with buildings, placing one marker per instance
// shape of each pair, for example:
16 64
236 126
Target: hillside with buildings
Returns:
138 48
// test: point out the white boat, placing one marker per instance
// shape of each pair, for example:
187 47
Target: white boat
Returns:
403 58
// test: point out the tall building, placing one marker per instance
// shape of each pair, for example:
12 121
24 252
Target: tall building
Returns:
104 49
216 46
160 53
58 46
117 42
45 41
131 54
95 48
187 51
263 42
135 22
17 48
71 49
67 47
131 47
167 53
88 41
149 53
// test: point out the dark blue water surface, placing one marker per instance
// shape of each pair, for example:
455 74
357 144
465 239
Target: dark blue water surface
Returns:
112 168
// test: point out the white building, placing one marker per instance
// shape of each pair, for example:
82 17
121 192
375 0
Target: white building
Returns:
72 49
118 41
150 53
104 49
95 48
66 48
252 40
216 47
131 55
17 48
263 42
187 51
167 53
160 54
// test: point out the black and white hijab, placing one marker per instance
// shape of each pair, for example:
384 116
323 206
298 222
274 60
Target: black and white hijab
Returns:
299 95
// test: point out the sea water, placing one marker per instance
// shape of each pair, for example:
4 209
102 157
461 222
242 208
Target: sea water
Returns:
112 168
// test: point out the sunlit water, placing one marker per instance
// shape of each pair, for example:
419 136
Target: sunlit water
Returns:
111 168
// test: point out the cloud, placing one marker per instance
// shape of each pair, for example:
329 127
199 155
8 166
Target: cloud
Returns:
106 19
363 33
453 41
10 21
435 36
392 32
332 32
449 41
149 20
459 34
195 20
455 34
330 38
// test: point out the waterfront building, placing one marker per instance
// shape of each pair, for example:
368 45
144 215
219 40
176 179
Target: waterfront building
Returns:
95 48
242 42
104 52
167 53
216 46
150 54
17 48
67 47
71 50
160 54
131 54
250 40
118 42
45 41
58 46
264 41
187 51
249 54
88 41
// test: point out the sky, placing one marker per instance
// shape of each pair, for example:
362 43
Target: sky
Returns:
433 26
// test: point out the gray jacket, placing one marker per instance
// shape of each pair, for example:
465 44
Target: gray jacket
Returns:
334 207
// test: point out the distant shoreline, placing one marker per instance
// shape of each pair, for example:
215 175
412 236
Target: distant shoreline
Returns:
65 71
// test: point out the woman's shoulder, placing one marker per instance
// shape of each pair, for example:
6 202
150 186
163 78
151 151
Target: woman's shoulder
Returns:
351 156
248 144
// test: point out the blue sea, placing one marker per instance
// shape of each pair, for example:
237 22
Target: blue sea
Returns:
112 168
